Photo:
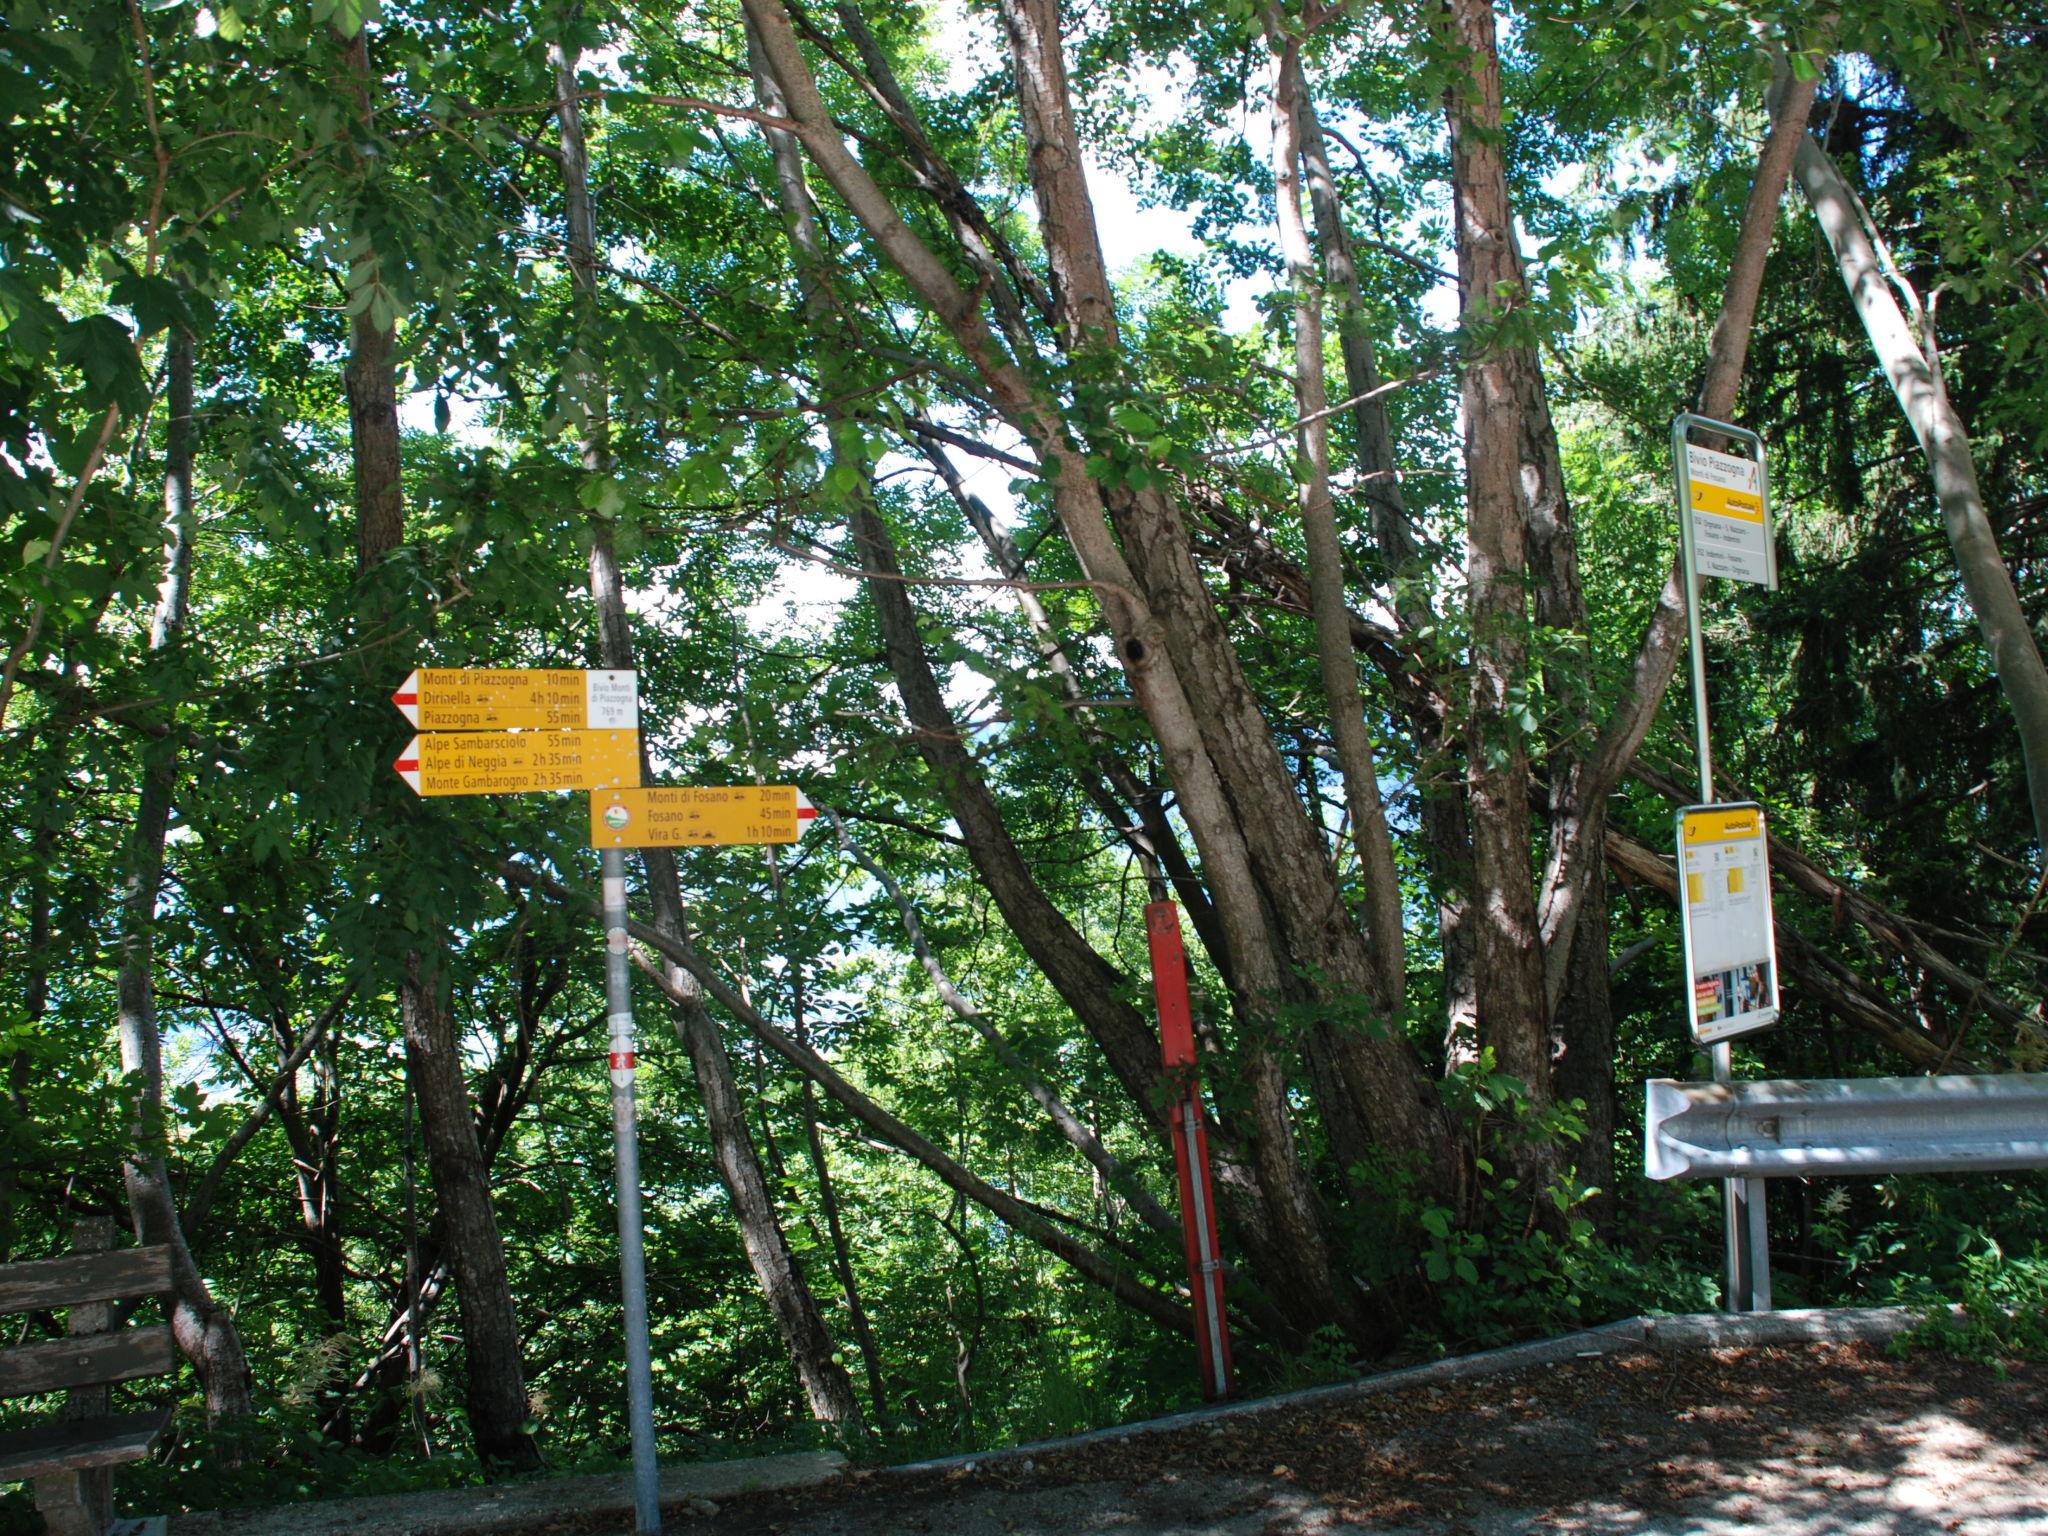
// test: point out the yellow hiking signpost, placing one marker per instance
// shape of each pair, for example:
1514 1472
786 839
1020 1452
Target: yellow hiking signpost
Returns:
1727 513
512 731
697 816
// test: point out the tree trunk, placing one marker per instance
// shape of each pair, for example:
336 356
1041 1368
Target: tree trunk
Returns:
1577 831
496 1386
427 1271
468 1230
372 378
1577 999
1912 365
1513 1018
1356 758
205 1331
1379 480
827 1387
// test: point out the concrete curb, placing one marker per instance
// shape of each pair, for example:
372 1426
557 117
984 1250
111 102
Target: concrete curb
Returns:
1812 1325
1703 1330
516 1506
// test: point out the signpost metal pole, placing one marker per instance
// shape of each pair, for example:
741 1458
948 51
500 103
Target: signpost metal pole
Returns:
1742 1200
529 730
618 980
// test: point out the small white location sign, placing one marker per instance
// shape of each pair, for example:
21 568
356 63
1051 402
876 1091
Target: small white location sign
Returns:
1724 898
1731 526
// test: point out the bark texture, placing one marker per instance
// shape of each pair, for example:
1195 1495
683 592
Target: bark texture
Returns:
1492 395
466 1229
1908 350
372 377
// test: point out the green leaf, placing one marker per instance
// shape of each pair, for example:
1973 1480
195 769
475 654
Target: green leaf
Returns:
346 16
602 494
100 347
157 303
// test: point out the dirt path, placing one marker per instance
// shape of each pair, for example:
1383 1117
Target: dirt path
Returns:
1638 1429
1824 1440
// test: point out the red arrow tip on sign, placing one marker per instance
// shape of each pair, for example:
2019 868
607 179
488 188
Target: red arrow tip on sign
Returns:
408 697
408 764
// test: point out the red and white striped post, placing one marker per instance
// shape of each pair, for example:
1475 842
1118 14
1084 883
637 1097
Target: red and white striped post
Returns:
1190 1147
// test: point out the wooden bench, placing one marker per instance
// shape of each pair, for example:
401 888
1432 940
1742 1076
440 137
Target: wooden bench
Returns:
71 1459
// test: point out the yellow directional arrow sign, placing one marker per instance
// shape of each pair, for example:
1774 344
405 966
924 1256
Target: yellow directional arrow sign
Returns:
519 762
518 699
695 816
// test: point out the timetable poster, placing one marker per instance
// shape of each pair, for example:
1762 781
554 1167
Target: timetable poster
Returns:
1725 898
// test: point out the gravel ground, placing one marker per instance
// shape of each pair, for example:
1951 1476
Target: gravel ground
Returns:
1821 1440
1833 1438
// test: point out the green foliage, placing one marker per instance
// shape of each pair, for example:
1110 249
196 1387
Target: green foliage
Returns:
247 187
2001 1314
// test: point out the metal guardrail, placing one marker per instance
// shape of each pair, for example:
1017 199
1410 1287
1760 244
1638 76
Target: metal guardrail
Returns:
1854 1126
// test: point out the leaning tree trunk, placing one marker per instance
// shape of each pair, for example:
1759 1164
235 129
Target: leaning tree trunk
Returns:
1371 1089
827 1386
371 377
1912 366
1577 833
1357 759
204 1329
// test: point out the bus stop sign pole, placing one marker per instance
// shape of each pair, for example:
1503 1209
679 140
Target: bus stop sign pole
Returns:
1748 1255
